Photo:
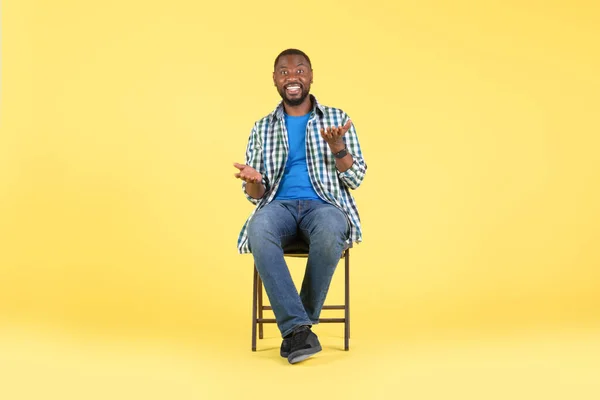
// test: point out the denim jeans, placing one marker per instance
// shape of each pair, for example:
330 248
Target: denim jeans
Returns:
325 228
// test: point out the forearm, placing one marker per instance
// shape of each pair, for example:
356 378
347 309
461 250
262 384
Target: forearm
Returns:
351 168
344 163
255 190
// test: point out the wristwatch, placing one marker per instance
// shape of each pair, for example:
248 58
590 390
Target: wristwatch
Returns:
342 153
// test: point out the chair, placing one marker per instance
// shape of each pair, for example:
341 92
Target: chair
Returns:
300 249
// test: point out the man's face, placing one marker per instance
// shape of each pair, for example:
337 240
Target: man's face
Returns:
293 77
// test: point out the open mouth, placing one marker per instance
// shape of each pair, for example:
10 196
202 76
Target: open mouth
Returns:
293 89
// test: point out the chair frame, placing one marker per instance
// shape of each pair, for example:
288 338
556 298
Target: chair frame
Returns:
258 307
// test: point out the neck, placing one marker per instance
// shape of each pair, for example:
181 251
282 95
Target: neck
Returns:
301 109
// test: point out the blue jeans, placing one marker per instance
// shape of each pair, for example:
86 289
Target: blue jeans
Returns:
324 228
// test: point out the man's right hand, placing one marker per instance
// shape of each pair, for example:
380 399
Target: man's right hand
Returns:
247 173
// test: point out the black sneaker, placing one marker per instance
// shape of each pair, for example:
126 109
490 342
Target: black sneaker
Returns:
304 344
286 346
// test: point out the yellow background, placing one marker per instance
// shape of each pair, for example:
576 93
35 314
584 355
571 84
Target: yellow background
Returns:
119 212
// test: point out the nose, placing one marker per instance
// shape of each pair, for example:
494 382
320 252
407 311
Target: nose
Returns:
292 77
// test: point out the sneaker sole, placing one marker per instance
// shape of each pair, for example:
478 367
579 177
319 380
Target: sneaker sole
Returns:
302 355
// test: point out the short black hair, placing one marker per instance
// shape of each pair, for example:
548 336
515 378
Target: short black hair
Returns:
289 52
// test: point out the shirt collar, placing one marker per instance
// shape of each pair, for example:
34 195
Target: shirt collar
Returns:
279 112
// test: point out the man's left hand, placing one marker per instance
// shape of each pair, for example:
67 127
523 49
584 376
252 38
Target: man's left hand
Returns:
334 136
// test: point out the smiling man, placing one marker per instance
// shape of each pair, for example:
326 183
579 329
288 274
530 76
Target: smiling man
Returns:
302 160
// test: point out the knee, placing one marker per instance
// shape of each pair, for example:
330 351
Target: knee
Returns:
333 229
338 229
259 226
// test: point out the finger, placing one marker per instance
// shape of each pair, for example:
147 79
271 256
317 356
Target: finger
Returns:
239 166
347 125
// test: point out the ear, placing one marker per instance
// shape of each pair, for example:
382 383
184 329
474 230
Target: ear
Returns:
274 82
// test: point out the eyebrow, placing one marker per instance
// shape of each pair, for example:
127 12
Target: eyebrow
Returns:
285 66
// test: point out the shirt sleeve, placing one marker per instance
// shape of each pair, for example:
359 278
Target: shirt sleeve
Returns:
354 175
254 158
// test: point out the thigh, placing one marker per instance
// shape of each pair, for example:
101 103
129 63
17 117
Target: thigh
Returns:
274 219
324 221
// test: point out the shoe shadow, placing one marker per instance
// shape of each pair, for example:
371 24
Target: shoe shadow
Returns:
333 351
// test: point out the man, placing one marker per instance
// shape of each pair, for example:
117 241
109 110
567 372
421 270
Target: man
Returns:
301 162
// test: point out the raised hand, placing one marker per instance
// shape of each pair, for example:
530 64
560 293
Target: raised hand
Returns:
247 173
334 136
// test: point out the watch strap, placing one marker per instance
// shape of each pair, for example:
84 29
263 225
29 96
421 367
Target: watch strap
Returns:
342 153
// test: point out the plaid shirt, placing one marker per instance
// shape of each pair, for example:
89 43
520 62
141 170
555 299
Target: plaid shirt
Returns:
267 152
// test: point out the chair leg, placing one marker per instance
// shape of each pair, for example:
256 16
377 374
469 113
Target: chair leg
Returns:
347 301
260 308
254 298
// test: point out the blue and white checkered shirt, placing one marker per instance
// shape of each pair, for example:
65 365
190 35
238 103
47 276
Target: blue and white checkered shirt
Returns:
267 152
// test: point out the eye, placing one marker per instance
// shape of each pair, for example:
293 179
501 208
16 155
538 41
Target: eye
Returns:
300 71
283 72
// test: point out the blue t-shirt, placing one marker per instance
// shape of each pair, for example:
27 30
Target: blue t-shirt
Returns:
295 184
